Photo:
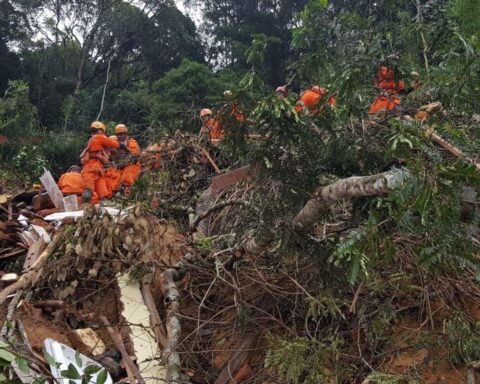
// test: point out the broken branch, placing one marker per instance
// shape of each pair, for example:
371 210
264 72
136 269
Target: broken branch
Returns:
170 354
217 207
32 275
117 340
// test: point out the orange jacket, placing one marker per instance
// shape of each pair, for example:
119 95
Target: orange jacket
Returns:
132 145
386 81
71 183
215 130
96 147
237 114
308 100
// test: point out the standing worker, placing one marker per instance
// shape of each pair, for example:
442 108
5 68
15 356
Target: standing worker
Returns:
94 158
211 126
388 100
131 171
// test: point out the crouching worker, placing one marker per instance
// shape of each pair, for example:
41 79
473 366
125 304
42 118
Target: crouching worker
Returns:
94 157
71 183
129 164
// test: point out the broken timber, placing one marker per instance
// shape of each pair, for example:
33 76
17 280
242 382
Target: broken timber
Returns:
52 189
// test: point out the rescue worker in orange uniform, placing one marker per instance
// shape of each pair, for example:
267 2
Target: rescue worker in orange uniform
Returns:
130 171
211 127
388 100
71 183
94 158
310 99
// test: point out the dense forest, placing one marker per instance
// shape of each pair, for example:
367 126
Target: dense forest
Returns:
161 67
351 253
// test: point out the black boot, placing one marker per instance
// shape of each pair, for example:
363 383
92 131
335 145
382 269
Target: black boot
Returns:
87 195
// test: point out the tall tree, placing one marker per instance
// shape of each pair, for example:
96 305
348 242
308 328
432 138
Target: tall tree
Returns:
229 27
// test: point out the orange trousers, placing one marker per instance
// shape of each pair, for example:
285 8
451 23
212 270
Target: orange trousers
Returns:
93 178
130 174
112 179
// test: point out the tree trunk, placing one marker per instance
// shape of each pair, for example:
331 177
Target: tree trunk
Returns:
355 186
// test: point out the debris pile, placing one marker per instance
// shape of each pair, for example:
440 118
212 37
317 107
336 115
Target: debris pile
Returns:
174 173
186 290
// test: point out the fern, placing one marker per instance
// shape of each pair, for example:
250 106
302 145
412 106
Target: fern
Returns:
301 360
463 339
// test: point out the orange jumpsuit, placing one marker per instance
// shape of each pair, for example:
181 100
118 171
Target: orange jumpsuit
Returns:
308 100
388 100
93 162
131 172
112 180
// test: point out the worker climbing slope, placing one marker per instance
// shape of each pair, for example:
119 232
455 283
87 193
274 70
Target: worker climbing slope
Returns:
94 160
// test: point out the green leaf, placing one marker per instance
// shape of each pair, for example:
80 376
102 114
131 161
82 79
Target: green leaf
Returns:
78 360
71 373
92 369
22 364
50 359
6 355
102 377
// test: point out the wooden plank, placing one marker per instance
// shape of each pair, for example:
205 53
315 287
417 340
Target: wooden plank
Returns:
70 203
52 188
155 321
33 253
230 178
42 201
27 238
46 212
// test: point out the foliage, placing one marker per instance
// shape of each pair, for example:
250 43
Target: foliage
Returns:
230 26
384 378
7 359
183 91
463 339
300 360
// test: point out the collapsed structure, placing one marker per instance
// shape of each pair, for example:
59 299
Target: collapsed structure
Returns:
178 287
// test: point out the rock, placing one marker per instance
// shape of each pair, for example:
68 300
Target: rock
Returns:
90 339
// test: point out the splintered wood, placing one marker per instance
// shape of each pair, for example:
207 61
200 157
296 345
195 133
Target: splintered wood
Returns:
52 188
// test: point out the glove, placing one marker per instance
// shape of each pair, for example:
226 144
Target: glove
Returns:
124 147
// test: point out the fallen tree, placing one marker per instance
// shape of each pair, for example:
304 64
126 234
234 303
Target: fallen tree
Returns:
355 186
